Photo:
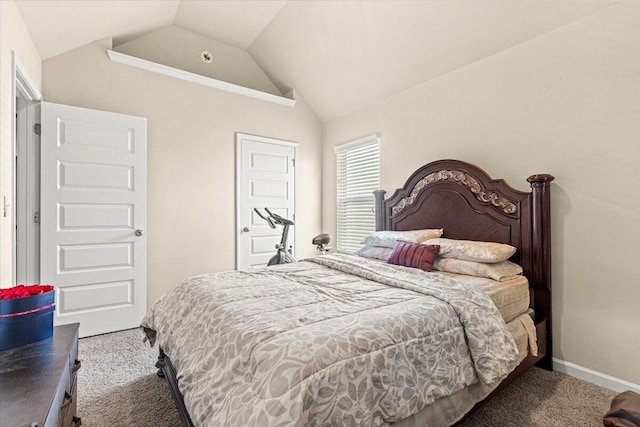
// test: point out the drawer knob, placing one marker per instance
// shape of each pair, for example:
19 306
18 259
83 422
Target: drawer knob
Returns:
77 365
77 421
67 400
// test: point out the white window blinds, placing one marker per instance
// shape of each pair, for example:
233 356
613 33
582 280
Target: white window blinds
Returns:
358 175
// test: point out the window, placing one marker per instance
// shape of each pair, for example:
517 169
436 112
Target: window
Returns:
358 175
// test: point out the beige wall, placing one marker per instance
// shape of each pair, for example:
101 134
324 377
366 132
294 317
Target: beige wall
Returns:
565 103
191 157
180 48
13 37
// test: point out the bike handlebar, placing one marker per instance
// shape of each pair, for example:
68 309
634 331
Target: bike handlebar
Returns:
274 217
268 219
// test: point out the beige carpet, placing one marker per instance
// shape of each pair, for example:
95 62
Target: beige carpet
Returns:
118 386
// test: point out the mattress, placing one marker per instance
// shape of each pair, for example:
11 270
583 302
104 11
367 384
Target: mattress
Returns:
511 296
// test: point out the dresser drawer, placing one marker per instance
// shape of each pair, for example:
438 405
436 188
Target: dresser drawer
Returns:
61 401
68 410
68 407
69 418
74 362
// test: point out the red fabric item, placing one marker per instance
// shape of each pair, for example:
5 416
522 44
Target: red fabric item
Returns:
22 291
414 255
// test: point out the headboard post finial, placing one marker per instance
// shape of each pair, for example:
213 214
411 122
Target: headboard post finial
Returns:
380 212
540 178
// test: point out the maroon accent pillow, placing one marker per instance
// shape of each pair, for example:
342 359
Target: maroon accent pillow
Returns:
414 255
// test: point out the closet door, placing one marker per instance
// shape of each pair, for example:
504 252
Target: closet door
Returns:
265 178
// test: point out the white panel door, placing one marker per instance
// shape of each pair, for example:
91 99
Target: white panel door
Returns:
266 178
93 216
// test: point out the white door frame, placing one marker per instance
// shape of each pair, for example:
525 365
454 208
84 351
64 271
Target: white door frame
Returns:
239 137
21 84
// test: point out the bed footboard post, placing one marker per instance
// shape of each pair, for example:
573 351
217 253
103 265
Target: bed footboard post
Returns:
381 215
541 255
160 364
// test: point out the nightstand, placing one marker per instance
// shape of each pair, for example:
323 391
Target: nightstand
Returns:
39 384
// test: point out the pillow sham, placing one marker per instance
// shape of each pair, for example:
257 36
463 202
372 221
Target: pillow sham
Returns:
414 255
469 250
499 271
375 252
388 239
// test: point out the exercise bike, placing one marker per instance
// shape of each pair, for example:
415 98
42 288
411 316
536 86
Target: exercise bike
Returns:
283 254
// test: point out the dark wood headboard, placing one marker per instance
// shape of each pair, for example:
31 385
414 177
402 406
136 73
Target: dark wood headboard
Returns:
468 204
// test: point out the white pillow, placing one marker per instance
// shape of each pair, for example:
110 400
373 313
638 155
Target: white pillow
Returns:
375 252
469 250
388 239
500 271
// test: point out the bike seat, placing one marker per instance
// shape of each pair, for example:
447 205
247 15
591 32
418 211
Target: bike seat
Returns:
321 239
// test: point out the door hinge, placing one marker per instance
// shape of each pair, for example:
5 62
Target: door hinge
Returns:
293 161
36 217
36 128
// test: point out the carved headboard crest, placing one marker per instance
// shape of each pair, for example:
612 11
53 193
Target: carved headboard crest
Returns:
462 178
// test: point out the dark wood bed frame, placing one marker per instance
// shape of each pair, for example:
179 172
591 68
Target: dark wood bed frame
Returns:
463 200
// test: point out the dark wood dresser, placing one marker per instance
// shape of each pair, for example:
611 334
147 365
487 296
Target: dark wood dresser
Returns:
38 385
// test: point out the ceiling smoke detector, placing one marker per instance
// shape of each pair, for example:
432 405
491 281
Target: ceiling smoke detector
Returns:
206 57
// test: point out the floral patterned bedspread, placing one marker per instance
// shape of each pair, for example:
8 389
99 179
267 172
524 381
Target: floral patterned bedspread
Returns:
335 340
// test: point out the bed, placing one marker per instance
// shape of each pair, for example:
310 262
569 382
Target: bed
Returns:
449 194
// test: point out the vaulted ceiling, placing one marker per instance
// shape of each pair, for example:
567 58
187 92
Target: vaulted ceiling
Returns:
340 56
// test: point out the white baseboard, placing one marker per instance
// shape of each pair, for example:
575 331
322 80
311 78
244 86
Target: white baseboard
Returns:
595 377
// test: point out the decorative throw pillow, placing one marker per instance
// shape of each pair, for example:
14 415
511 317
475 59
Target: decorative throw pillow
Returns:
500 271
388 239
469 250
414 255
375 252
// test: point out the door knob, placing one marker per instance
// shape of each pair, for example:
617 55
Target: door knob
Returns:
246 229
138 232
